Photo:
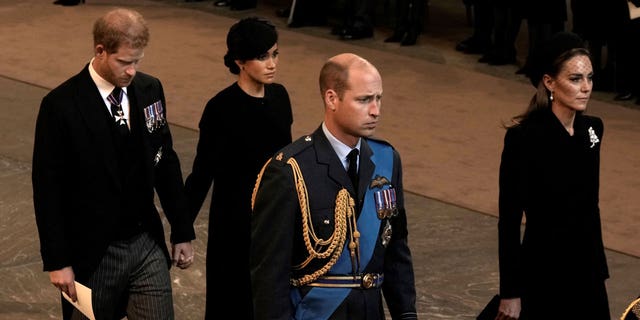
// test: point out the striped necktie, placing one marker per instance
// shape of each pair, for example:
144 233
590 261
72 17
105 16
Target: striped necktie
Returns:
115 99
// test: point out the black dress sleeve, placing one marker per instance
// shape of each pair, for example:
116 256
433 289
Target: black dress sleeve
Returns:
511 208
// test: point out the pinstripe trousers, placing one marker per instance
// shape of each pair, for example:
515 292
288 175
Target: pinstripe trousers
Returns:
132 280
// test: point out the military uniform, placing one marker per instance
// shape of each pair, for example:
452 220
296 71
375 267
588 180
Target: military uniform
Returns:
303 235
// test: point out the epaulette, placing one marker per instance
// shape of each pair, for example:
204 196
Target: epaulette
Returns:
293 149
281 158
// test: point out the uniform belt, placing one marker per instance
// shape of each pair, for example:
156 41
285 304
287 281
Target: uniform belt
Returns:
364 281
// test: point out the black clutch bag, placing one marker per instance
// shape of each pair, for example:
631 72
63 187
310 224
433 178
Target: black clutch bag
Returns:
490 311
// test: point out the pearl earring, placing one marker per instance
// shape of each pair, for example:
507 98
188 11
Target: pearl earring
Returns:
551 96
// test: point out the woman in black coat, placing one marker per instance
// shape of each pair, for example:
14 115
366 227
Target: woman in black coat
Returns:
549 172
241 127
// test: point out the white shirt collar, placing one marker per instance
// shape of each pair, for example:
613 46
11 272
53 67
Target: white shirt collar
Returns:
341 149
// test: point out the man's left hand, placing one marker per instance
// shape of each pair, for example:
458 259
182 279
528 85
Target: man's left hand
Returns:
182 255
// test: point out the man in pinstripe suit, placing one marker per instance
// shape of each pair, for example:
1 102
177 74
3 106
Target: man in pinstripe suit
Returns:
102 150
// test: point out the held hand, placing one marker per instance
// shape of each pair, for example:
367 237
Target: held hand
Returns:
64 280
509 309
182 255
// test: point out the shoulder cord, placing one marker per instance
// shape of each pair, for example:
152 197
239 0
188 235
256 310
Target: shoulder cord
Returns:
333 246
633 308
255 187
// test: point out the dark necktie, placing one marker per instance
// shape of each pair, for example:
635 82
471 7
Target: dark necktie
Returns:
115 99
352 170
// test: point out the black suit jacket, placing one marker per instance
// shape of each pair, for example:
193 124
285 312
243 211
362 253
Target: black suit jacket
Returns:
76 184
277 244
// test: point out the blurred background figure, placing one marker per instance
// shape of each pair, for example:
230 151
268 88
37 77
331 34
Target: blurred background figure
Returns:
544 19
627 43
235 4
68 2
408 22
302 13
357 20
482 22
507 18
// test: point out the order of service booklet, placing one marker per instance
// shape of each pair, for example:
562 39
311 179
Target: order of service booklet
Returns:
84 300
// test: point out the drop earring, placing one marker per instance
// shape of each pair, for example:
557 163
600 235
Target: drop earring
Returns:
551 96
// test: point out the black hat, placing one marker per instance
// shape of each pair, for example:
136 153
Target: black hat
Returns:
248 39
543 57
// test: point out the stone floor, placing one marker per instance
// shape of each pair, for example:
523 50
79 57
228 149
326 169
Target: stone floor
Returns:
442 111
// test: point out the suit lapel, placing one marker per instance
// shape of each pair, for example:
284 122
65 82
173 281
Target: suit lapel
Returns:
92 107
138 100
327 156
366 167
96 116
135 111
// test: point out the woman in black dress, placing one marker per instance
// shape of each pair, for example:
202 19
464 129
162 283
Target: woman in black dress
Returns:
549 172
241 127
